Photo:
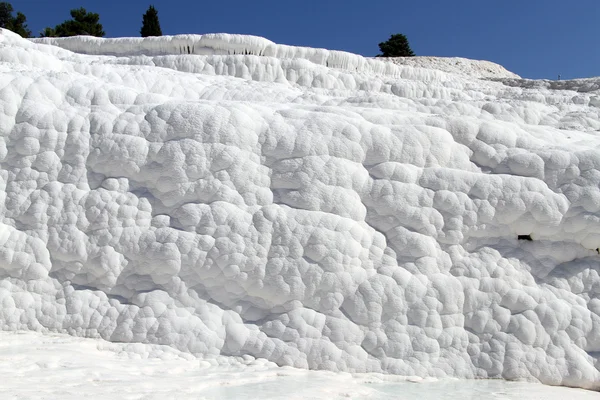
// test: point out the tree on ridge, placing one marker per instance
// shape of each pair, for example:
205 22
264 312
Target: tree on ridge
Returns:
6 10
82 22
150 23
396 46
16 24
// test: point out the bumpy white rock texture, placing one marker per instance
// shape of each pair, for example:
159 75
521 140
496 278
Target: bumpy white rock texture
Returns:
310 207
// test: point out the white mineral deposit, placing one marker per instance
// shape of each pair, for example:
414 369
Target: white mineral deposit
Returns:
229 198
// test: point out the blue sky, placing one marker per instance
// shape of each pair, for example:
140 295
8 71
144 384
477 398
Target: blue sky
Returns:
533 38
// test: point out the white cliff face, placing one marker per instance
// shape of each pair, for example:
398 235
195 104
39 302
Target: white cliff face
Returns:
314 208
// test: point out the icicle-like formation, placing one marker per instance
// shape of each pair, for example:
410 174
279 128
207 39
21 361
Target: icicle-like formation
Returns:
227 44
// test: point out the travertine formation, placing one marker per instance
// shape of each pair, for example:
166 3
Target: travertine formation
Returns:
310 207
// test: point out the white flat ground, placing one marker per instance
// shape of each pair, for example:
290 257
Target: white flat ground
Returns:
51 366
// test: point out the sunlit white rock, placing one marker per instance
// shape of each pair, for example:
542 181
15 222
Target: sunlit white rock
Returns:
314 208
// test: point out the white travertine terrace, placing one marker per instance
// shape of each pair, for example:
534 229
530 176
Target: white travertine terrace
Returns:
314 208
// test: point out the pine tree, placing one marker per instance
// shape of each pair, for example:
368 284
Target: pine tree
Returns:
82 22
6 10
150 23
396 46
48 32
16 24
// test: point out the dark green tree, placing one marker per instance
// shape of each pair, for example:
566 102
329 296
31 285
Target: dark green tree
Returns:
150 23
16 24
48 32
82 22
6 10
396 46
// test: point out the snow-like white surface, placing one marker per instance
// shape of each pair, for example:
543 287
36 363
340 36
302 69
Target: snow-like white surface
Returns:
461 66
316 209
35 366
227 44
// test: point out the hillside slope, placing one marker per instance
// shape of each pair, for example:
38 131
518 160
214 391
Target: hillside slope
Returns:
317 209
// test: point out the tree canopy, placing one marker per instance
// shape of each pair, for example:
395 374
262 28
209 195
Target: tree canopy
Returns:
82 22
6 10
16 24
150 23
396 46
